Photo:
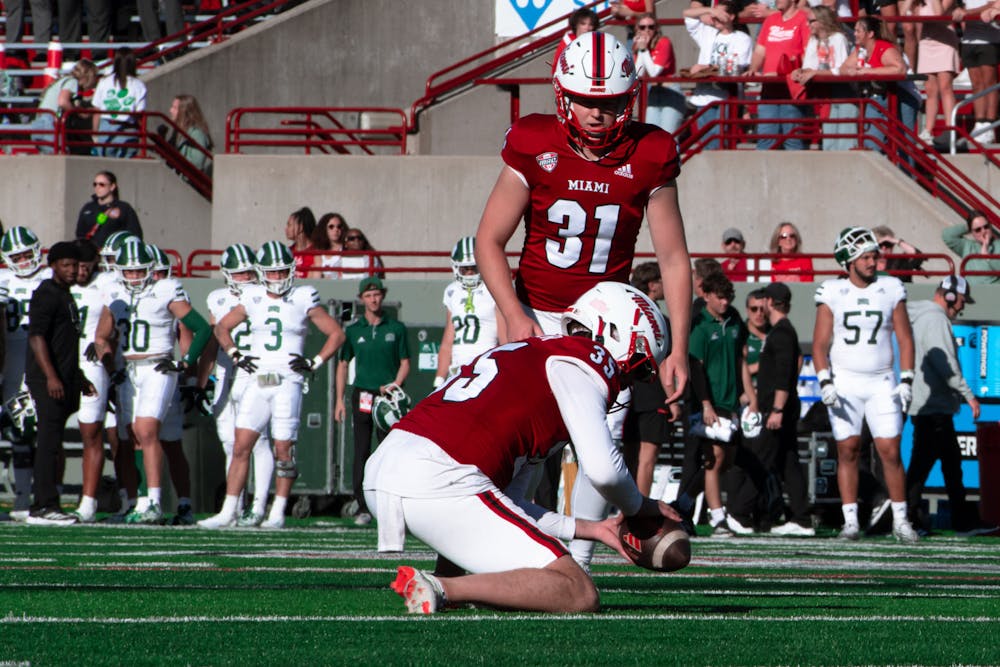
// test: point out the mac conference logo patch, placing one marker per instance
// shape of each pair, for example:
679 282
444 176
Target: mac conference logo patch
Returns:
547 161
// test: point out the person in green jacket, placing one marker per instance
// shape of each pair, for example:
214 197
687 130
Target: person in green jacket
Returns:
197 146
984 241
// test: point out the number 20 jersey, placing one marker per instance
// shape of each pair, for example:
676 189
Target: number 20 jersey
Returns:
583 219
474 316
499 411
862 322
278 326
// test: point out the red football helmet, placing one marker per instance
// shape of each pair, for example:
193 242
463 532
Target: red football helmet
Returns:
597 67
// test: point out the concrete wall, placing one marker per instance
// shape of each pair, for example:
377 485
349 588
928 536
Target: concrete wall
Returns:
46 193
328 53
425 203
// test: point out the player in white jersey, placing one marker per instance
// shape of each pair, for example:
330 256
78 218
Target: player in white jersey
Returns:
472 326
91 293
856 317
239 268
22 252
279 315
147 343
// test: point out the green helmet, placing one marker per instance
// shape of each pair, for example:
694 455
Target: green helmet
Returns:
112 244
852 242
389 408
161 260
238 258
463 256
17 241
134 255
275 256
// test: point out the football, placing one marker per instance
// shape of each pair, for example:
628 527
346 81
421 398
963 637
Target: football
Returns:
655 543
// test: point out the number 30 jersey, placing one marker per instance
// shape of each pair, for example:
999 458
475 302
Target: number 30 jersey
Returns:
583 219
278 326
473 313
151 329
862 322
479 416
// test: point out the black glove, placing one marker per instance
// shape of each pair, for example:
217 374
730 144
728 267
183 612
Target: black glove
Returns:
170 366
245 361
117 377
90 354
300 364
195 397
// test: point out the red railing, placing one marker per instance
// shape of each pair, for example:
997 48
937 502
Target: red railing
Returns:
324 129
965 271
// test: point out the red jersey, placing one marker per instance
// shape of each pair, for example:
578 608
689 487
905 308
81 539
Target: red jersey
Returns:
583 219
499 410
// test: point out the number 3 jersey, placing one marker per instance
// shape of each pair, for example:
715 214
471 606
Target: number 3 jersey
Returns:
278 326
583 219
500 412
862 322
473 313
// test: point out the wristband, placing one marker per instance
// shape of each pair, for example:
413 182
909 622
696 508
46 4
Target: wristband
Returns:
232 352
777 411
824 377
438 381
317 362
906 376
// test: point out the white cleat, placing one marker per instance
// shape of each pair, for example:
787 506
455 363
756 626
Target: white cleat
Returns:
850 532
218 521
903 532
274 522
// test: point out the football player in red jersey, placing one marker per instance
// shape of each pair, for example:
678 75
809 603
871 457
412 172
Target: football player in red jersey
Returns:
582 180
443 470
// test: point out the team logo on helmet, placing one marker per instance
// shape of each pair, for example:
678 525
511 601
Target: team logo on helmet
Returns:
21 251
463 258
161 260
109 251
852 242
389 408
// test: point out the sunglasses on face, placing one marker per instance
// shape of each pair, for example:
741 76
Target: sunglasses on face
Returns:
788 235
101 185
352 238
976 230
728 241
885 245
646 26
755 309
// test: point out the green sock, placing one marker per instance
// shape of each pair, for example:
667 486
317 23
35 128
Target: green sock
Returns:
142 472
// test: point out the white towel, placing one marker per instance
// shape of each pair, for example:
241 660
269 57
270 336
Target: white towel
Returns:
391 524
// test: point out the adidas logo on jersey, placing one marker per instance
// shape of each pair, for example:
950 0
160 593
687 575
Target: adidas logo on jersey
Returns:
625 171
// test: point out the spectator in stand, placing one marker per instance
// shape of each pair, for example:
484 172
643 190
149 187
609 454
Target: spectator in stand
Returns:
793 268
891 8
984 241
149 18
630 10
873 54
581 21
299 230
654 56
722 50
41 23
186 114
71 22
735 264
329 235
360 266
119 94
981 55
780 47
105 213
889 261
938 59
840 8
825 53
64 94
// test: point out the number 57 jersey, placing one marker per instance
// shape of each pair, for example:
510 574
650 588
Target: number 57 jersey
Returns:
278 326
584 217
862 322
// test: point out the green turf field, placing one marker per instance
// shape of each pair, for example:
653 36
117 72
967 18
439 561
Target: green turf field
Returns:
316 594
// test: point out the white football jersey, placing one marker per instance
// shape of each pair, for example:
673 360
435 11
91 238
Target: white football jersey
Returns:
90 301
278 326
5 276
862 322
473 313
19 291
220 302
150 327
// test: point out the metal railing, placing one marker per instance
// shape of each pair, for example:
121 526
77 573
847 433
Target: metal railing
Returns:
321 129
